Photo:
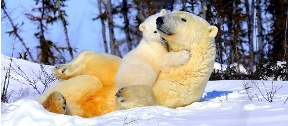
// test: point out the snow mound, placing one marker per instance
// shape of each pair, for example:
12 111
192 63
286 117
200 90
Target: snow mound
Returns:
225 102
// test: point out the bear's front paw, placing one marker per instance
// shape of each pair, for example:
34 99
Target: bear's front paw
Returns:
184 57
60 71
55 103
135 96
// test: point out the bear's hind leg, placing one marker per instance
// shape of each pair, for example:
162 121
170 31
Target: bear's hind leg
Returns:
135 96
55 103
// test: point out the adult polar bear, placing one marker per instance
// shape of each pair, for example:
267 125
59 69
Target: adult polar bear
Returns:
185 84
179 87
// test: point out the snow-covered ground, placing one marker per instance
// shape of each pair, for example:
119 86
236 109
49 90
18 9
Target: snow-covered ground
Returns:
224 103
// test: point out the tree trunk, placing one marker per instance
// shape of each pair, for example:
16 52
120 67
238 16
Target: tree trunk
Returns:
286 43
250 12
124 12
233 40
259 29
64 22
204 8
184 8
110 26
102 19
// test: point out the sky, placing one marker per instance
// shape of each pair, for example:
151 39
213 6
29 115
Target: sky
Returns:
83 32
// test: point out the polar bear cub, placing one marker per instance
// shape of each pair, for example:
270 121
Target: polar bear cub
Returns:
142 65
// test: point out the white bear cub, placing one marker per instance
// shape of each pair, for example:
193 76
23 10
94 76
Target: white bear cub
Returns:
142 65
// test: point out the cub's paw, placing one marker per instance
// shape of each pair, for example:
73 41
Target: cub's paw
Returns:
60 71
135 96
55 103
184 57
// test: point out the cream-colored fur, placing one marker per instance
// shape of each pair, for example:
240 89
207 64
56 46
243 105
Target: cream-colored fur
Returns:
88 85
142 65
100 65
74 89
186 83
88 80
135 96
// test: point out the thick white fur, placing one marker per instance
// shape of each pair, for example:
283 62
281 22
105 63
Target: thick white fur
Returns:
74 89
88 80
186 84
100 65
142 65
87 83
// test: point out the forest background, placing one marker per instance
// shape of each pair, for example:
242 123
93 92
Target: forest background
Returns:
252 33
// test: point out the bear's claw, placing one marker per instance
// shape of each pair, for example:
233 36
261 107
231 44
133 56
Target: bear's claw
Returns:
118 94
64 70
61 68
61 71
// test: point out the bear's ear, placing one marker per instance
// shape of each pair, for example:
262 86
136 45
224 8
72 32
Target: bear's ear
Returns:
142 27
163 12
213 30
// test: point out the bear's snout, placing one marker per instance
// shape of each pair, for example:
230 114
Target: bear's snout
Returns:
159 21
162 27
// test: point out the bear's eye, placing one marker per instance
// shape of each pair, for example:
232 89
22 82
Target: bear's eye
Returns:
155 31
182 19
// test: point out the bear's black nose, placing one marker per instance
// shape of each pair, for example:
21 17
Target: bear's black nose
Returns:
159 21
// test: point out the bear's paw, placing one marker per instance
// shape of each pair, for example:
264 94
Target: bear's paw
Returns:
55 103
135 96
59 71
184 57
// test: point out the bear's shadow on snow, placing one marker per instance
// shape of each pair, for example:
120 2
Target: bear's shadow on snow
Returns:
214 94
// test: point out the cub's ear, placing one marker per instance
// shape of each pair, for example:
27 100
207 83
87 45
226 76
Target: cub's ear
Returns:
142 27
163 12
213 30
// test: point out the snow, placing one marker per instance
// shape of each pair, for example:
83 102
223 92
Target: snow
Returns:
224 102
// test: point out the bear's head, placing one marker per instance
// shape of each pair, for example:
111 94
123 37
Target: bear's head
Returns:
183 29
148 27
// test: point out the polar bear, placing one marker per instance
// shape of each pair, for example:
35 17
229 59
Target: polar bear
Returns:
185 84
87 87
87 96
142 65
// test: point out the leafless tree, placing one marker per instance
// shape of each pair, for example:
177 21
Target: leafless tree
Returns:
102 16
15 31
124 11
114 47
250 12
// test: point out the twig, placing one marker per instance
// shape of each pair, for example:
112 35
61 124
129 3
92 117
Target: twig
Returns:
6 83
129 122
286 100
42 76
246 89
269 95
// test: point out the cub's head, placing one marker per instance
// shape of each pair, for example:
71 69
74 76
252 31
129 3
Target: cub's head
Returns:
182 29
148 27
